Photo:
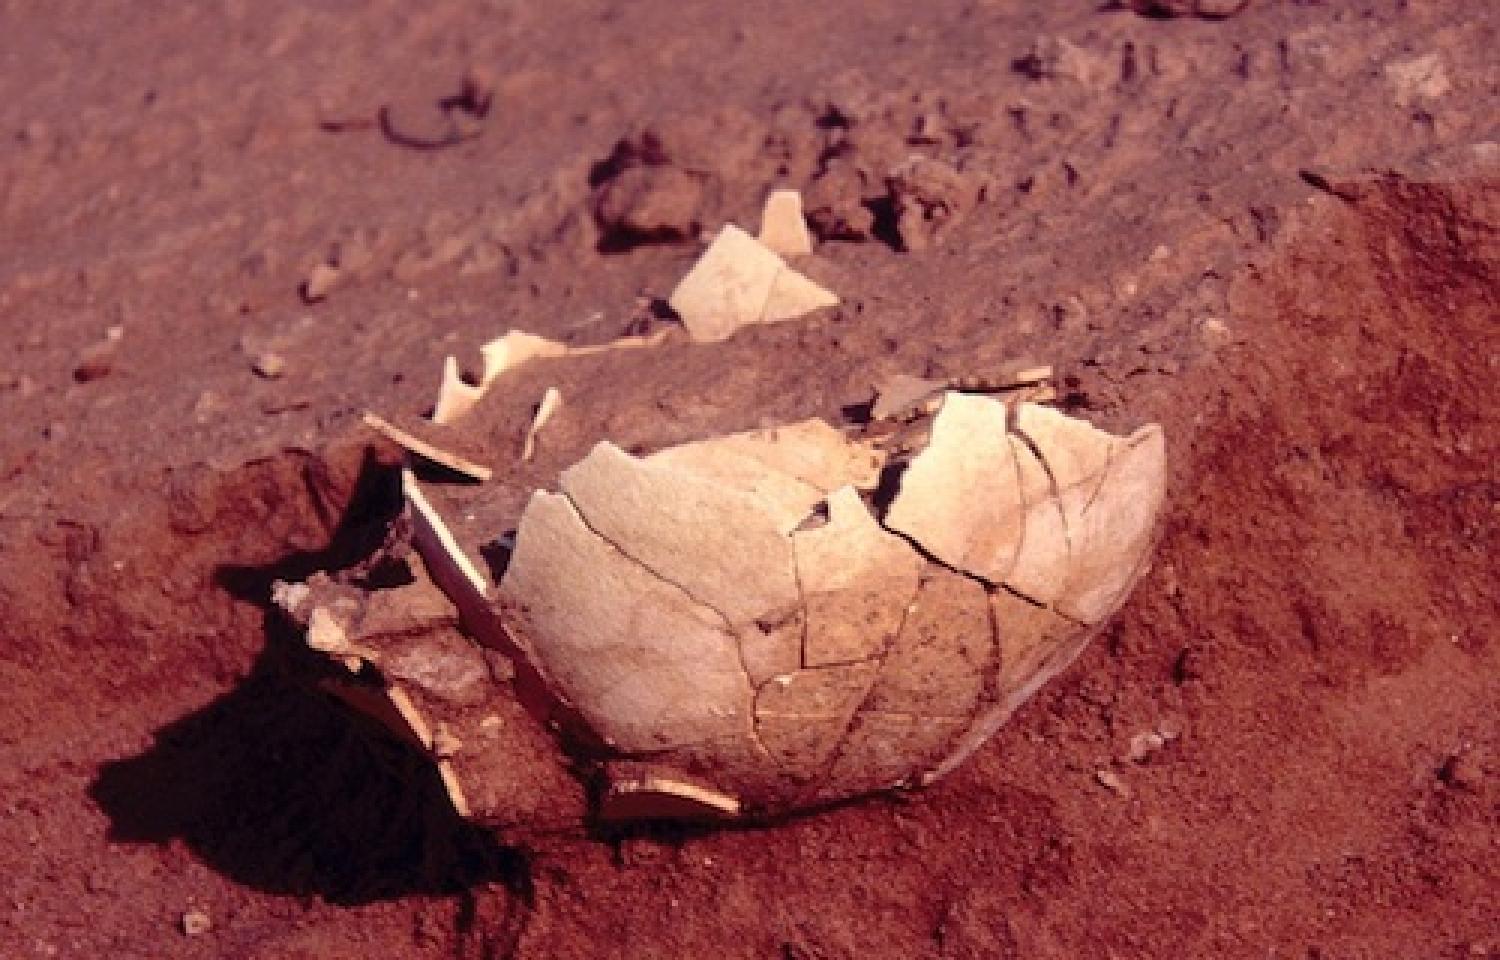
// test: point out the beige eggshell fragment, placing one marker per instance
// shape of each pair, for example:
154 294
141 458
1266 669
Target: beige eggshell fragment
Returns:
453 570
902 393
1034 645
428 451
771 646
647 666
1040 571
647 797
960 498
792 295
787 499
782 227
1111 532
739 281
722 546
545 411
790 469
802 716
857 581
884 750
728 286
1075 451
944 659
810 450
456 397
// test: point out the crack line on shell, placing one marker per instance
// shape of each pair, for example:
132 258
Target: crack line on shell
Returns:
1024 598
933 559
1057 491
791 541
989 695
837 753
730 632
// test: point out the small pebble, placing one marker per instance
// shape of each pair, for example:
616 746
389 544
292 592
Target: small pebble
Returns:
1143 745
1215 332
195 922
1112 782
95 362
269 365
319 283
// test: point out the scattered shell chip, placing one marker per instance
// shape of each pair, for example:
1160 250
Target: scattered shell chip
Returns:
457 396
545 410
783 229
740 281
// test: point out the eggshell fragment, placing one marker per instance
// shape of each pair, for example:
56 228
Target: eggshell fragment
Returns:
960 497
783 229
740 281
648 666
758 623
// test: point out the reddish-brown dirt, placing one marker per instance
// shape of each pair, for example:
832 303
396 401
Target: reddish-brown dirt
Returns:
1275 233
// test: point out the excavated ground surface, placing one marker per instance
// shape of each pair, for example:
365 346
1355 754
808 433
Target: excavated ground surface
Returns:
1274 233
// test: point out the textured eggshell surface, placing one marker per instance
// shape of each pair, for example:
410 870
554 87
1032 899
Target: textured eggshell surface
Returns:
780 619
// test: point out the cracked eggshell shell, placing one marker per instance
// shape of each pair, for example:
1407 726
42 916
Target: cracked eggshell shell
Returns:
960 497
646 665
749 637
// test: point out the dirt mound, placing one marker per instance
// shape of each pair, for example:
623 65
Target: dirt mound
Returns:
1315 639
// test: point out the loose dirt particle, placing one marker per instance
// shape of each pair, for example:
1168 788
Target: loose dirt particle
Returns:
1112 782
321 280
196 922
269 365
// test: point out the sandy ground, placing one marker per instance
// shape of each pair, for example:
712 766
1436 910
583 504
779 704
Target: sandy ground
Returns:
1275 233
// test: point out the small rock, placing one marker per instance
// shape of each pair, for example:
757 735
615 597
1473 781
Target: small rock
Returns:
96 361
320 282
1420 78
837 205
928 197
649 204
269 365
1214 331
1112 782
1143 745
1070 313
1053 58
196 922
1460 772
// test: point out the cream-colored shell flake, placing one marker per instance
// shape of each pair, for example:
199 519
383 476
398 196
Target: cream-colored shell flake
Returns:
749 627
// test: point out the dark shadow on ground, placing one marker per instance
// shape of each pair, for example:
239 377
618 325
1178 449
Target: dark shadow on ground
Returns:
281 788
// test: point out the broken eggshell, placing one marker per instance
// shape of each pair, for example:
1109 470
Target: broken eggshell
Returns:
748 630
762 622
